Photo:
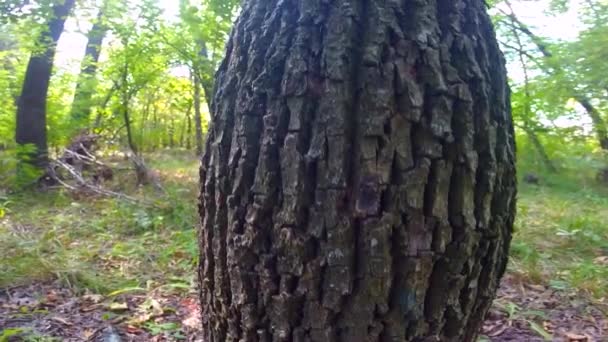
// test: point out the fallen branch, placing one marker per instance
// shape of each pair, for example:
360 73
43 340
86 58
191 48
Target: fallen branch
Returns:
83 184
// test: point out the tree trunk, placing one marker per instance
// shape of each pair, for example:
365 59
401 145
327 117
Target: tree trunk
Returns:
172 133
198 121
358 181
127 120
185 127
538 145
126 98
81 105
31 107
599 125
188 129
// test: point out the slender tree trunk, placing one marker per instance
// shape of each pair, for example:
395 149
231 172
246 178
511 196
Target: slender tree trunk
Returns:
188 129
358 180
150 98
127 119
198 122
599 125
81 105
531 133
527 115
103 106
172 133
182 134
155 124
184 128
31 107
126 98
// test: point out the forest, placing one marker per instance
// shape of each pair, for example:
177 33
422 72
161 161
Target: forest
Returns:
314 170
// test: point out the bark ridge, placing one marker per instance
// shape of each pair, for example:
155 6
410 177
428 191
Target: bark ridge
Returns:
358 180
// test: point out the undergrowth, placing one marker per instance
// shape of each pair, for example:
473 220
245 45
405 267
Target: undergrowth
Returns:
561 230
106 245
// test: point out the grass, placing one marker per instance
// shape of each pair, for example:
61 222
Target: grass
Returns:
105 245
561 236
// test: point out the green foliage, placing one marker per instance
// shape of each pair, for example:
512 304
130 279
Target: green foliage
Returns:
15 171
563 83
146 71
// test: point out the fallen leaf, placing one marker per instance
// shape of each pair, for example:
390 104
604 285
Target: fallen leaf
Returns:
539 288
95 298
89 308
140 319
540 330
603 260
501 329
118 306
577 338
61 320
134 330
87 334
51 297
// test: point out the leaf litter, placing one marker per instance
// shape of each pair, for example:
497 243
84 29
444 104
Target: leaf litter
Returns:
532 312
521 312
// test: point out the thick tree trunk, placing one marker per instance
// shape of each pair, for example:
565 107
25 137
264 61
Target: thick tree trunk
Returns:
358 181
31 106
81 106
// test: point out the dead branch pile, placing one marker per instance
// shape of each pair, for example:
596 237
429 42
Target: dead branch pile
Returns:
80 171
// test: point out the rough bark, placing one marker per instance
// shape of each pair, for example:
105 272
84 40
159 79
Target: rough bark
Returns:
81 105
358 180
31 106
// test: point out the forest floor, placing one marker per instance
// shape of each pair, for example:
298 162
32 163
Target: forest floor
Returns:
80 268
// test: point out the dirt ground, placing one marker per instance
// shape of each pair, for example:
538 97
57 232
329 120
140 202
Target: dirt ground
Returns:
522 312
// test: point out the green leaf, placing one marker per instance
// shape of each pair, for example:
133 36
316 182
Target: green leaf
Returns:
10 332
126 290
541 331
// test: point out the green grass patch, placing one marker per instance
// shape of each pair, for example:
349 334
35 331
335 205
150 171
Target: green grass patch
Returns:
104 244
562 232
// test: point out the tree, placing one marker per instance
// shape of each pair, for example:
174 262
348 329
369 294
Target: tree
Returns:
31 107
81 105
573 67
358 181
198 42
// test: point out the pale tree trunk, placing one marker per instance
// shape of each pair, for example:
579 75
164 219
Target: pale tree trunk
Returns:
358 180
188 128
31 106
81 106
198 121
185 128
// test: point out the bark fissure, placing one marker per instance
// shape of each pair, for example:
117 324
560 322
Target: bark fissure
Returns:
364 183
